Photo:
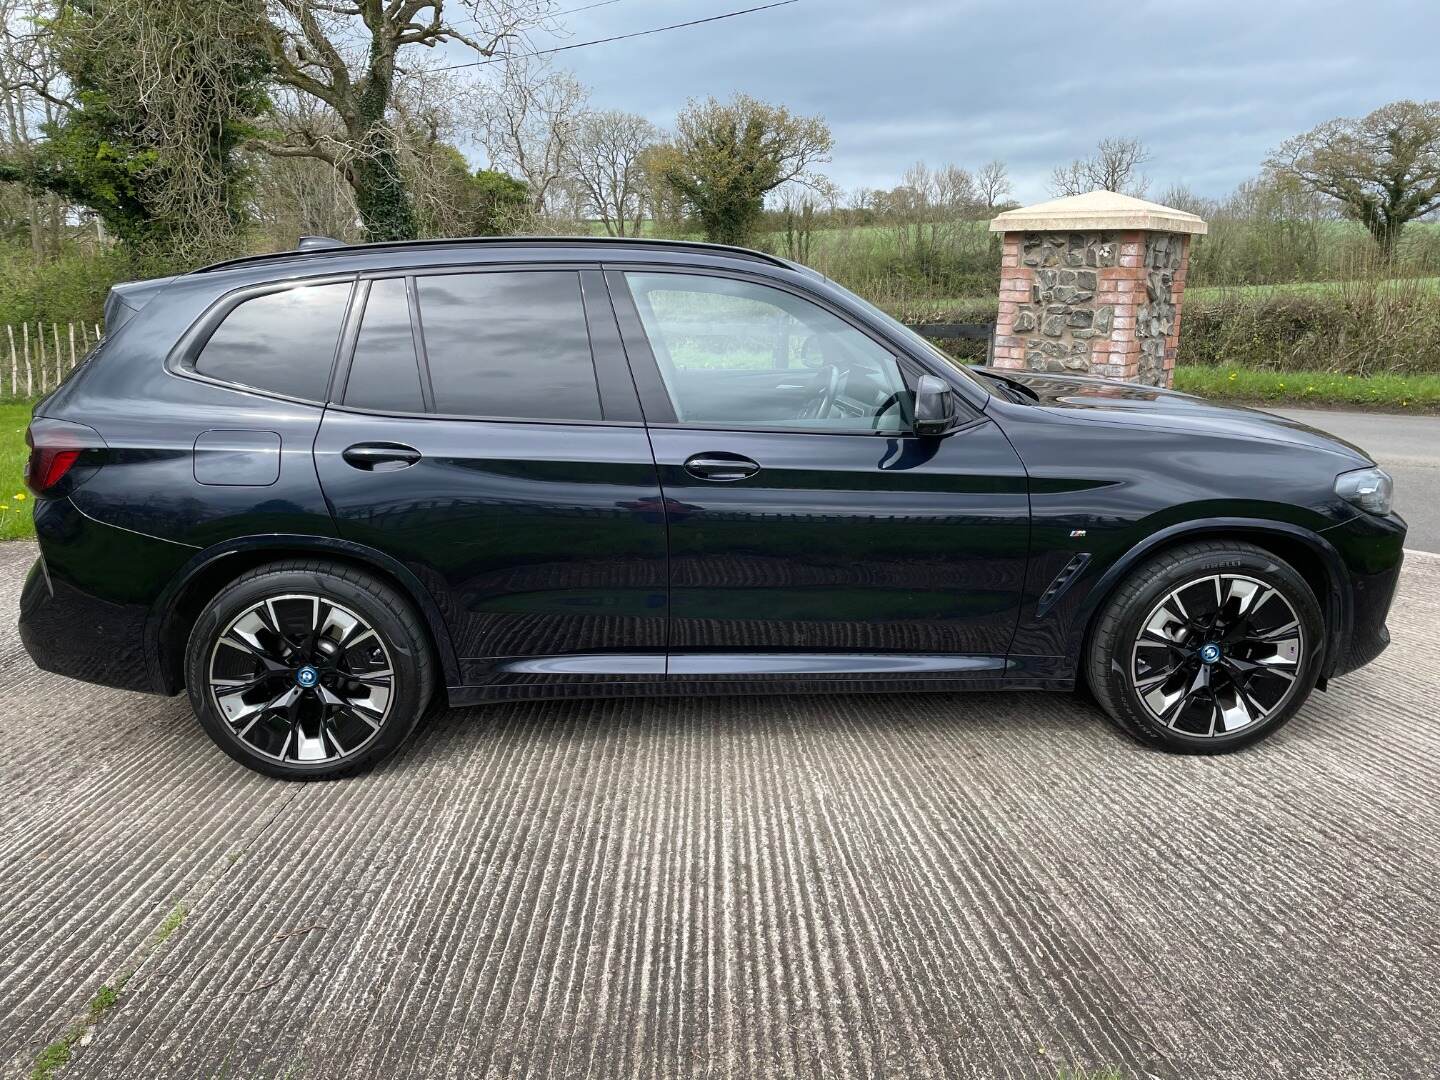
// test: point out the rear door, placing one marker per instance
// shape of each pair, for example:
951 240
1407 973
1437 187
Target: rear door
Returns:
486 433
811 533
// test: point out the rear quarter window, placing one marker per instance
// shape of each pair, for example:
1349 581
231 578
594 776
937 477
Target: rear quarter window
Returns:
282 342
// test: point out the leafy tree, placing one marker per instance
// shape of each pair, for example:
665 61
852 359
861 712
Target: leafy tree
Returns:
495 202
1384 168
157 110
726 157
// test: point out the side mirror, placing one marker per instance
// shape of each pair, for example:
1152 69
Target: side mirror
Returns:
933 406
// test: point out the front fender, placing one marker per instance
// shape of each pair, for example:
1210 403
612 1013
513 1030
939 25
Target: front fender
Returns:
1336 603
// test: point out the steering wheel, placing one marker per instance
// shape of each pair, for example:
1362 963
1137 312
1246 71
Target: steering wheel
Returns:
829 375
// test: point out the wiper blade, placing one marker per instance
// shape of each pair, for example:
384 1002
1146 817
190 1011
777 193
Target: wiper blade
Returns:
1015 391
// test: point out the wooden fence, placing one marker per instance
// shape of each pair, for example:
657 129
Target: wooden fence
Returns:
41 354
980 335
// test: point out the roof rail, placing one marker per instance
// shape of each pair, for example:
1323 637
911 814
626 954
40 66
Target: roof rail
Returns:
323 246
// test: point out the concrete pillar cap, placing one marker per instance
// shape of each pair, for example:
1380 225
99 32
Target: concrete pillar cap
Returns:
1098 210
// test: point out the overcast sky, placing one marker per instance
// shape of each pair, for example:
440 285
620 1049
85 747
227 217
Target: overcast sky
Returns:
1209 85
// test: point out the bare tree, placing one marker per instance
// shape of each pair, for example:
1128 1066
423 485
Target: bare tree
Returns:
1181 197
298 195
530 124
1383 169
295 196
347 54
929 208
992 183
35 94
1115 166
605 160
797 216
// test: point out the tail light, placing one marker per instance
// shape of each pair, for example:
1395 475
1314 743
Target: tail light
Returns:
63 455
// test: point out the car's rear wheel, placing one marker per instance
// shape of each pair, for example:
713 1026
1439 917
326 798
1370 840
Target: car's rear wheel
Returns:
308 669
1206 648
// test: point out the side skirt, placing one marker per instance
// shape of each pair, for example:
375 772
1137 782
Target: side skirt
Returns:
623 675
463 696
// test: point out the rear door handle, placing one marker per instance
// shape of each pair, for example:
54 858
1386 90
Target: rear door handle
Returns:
720 465
380 457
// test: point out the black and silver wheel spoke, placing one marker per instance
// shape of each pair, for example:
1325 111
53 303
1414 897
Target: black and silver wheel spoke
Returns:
301 679
1216 655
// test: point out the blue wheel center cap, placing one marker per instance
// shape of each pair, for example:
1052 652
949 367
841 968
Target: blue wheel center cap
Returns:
1210 652
308 676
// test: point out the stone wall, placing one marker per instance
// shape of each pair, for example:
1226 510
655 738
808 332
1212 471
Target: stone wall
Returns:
1062 317
1096 303
1157 320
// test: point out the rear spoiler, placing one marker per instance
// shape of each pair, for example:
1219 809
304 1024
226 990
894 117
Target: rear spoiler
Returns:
127 298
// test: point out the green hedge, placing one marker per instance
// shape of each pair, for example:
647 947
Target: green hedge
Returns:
1354 328
70 289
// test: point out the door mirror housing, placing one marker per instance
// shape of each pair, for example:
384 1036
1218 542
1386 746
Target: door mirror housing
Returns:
934 405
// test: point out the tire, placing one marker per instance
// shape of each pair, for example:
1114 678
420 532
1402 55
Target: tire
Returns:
1196 652
308 669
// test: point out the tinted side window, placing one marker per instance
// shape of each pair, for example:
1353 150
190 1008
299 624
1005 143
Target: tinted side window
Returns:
383 374
509 344
283 342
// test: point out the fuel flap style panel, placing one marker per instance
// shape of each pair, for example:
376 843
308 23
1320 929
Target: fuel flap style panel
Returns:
237 458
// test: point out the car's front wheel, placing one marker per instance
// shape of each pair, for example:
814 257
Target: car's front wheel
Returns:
308 669
1207 647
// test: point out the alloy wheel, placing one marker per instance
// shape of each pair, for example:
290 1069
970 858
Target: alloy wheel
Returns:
1217 655
301 680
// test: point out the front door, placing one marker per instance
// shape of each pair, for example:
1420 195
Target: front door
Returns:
487 435
810 531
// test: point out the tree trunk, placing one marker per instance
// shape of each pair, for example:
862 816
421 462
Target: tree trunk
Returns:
1386 233
387 211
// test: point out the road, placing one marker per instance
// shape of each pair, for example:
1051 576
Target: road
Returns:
928 886
1409 449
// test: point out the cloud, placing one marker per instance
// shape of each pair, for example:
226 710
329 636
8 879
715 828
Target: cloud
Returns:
1211 88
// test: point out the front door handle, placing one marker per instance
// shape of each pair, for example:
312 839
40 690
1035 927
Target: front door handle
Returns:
380 457
720 465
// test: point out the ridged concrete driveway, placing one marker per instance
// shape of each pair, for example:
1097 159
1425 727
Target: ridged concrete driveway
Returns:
988 885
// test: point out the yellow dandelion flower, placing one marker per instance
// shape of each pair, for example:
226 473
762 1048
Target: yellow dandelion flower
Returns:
21 496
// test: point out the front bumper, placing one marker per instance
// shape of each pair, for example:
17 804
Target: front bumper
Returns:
1372 549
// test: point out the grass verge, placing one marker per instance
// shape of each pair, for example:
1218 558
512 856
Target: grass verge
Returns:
16 520
1391 393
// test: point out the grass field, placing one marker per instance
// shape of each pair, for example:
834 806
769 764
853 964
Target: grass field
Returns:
15 519
1299 288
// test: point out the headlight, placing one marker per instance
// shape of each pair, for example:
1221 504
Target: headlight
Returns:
1369 489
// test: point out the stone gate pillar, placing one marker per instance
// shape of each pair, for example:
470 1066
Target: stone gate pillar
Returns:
1093 285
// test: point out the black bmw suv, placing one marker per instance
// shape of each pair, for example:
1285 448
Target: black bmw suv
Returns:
322 489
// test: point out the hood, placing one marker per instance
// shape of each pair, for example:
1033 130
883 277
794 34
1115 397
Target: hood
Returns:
1108 401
